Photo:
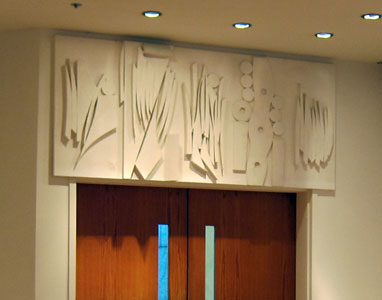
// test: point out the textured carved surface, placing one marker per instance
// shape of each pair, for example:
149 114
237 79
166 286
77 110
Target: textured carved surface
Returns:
314 131
118 102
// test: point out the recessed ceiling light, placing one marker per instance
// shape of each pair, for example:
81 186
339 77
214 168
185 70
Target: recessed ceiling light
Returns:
152 14
323 35
76 4
241 25
371 16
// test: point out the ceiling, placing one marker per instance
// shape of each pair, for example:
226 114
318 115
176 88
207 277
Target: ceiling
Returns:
286 26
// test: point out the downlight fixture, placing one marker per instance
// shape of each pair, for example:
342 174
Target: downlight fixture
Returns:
242 25
323 35
152 14
371 16
76 4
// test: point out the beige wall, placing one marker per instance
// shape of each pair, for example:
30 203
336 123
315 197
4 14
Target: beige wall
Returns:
346 242
18 146
52 194
347 226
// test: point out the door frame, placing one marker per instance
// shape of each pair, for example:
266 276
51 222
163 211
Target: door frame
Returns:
303 243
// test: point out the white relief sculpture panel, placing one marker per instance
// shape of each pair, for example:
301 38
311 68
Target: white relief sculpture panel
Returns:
142 111
88 117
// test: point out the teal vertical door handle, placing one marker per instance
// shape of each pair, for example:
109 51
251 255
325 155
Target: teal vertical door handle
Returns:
210 263
163 244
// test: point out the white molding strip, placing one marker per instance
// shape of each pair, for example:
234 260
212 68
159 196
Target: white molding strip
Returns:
304 246
72 241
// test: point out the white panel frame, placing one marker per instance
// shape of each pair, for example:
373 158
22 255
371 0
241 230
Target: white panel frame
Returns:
304 246
72 241
273 77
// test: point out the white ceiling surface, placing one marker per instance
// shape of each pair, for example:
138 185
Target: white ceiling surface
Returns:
286 26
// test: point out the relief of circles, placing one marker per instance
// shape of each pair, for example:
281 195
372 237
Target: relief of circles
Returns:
275 115
277 102
248 94
246 67
246 81
241 111
278 128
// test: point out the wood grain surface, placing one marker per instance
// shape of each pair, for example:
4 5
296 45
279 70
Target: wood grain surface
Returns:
117 248
255 244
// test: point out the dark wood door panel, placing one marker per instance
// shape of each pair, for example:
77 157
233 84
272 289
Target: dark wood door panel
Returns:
117 245
255 244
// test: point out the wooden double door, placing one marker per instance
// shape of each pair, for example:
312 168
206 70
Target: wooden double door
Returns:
117 245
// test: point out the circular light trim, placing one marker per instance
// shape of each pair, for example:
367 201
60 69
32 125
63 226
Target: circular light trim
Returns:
152 14
76 4
324 35
242 25
371 16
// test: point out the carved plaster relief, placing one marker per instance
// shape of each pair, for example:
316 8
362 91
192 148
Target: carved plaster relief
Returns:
162 113
203 126
153 102
87 113
253 141
314 131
